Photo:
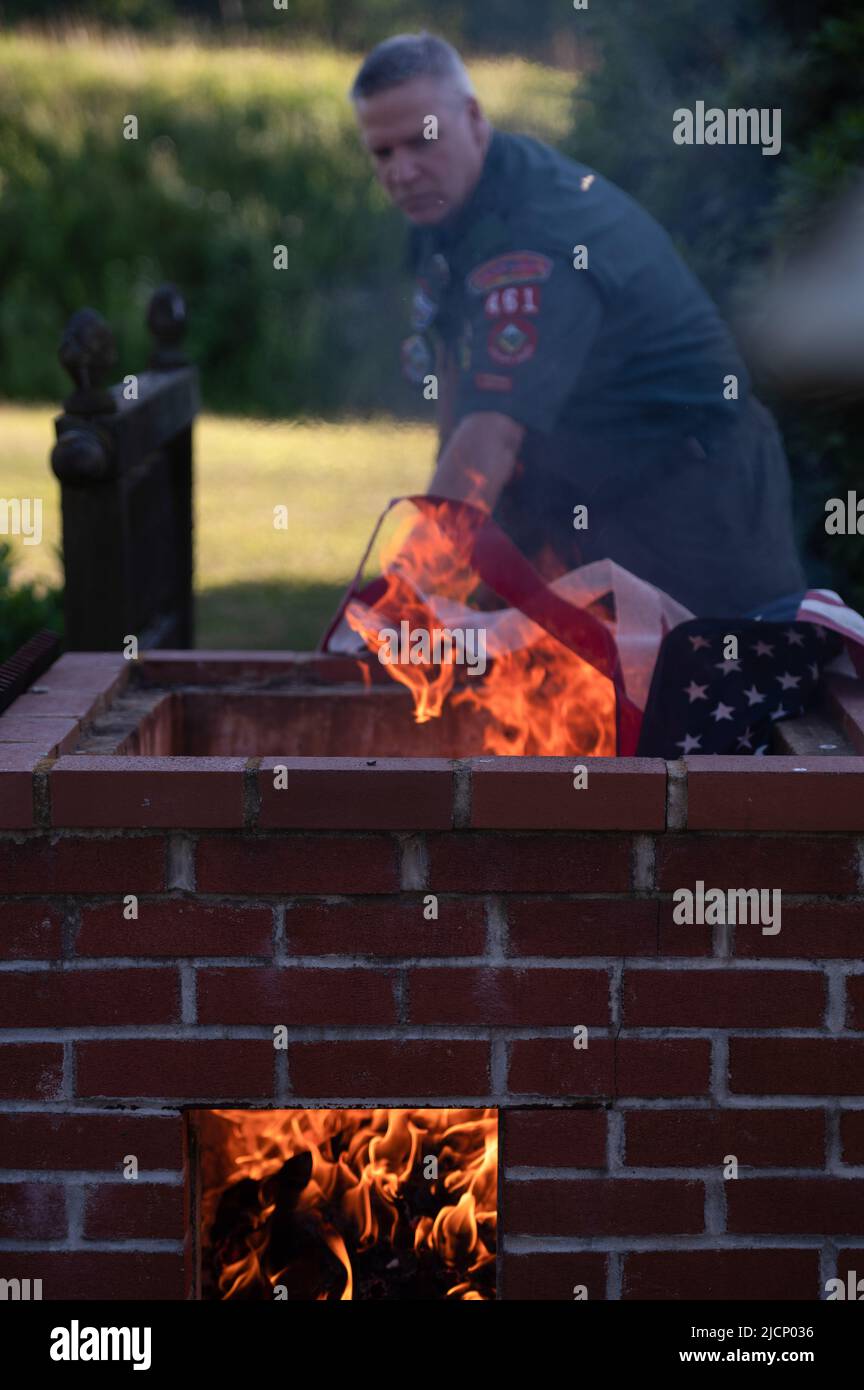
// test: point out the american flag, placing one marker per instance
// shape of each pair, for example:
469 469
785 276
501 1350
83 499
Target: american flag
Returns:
702 701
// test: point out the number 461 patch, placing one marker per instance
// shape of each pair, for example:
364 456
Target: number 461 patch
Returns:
514 299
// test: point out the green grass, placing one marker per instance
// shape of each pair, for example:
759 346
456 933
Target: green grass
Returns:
86 217
238 150
256 586
74 76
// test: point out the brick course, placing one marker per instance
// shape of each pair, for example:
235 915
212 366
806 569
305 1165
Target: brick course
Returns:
547 913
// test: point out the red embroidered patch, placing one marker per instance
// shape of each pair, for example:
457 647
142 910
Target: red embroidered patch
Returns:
515 268
513 343
514 299
488 381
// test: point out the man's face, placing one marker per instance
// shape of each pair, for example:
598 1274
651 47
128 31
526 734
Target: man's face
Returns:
427 179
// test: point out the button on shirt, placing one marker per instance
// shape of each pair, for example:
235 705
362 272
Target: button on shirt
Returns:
562 304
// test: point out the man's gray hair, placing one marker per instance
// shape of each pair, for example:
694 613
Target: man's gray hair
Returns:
405 56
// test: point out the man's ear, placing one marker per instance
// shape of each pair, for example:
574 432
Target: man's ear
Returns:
475 114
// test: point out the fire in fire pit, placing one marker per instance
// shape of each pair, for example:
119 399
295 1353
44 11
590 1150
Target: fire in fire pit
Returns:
538 697
347 1204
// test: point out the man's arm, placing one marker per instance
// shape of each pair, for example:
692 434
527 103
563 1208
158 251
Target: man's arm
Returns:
448 375
478 459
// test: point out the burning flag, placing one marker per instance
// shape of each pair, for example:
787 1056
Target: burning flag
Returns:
570 660
593 663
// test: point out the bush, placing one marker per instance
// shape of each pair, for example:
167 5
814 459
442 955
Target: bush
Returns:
735 214
238 151
24 609
496 26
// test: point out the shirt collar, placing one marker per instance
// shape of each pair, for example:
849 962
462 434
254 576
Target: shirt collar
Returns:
483 199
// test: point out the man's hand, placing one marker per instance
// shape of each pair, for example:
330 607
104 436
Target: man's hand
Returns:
478 459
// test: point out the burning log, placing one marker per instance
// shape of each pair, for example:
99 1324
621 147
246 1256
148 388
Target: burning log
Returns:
386 1204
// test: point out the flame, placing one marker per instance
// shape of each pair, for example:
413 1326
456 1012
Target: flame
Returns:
539 700
430 552
332 1185
545 700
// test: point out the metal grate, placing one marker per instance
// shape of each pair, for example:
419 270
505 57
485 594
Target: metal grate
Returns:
23 666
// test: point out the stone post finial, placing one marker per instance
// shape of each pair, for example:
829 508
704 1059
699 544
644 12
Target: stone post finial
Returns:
167 321
88 352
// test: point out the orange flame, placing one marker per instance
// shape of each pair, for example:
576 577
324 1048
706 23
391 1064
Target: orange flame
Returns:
545 700
538 700
428 553
305 1186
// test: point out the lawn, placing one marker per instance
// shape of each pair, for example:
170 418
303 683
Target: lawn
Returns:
239 147
256 585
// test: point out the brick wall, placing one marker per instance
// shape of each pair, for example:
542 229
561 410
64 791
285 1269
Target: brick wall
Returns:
305 907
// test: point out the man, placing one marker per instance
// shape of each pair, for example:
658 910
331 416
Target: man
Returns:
588 391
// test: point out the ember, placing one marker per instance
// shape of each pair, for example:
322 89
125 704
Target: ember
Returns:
348 1204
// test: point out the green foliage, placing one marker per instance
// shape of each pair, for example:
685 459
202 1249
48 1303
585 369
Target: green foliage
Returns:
143 14
239 151
24 608
496 26
735 214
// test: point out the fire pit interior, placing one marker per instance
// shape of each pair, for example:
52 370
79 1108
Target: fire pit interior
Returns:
314 1204
219 704
367 715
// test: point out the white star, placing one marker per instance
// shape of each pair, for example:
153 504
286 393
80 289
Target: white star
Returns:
746 739
697 642
795 639
763 748
814 670
788 682
778 713
722 711
695 692
754 697
728 665
763 649
688 744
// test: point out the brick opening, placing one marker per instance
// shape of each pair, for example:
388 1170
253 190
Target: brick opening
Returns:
235 705
390 1203
325 723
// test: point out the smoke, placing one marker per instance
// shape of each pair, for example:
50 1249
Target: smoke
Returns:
805 331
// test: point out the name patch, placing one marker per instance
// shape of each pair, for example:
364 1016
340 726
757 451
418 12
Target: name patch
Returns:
514 268
489 381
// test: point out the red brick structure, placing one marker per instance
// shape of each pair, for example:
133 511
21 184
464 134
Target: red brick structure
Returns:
309 906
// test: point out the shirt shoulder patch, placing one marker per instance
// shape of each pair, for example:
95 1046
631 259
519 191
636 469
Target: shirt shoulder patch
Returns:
491 381
513 268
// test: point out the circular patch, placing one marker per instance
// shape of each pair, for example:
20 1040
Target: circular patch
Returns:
417 358
512 342
423 310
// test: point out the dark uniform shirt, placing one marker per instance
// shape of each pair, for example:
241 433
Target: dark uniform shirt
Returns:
562 304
